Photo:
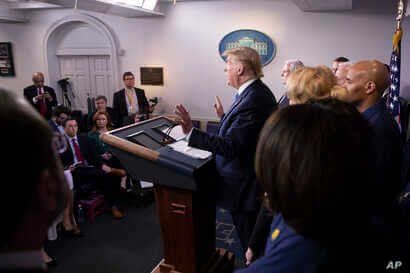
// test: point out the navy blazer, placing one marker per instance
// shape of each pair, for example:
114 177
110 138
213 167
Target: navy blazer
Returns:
31 91
387 153
235 144
120 104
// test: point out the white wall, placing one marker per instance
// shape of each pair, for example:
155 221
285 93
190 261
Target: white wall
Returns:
185 42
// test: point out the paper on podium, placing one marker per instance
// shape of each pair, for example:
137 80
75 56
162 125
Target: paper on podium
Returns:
175 132
182 147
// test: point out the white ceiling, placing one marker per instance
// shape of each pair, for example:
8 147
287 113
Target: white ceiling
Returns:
13 10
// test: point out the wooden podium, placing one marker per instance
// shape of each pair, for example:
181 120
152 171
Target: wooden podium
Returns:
183 192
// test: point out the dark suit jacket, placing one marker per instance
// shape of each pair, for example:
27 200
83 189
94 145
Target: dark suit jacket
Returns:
31 91
387 153
87 150
120 104
235 146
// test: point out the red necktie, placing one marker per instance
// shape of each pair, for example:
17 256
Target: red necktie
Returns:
42 104
77 150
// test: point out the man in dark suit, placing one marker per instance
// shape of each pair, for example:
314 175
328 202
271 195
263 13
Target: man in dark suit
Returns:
235 144
288 67
130 102
87 168
42 97
34 193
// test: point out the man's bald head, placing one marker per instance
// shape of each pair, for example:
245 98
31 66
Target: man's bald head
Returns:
38 79
366 82
374 71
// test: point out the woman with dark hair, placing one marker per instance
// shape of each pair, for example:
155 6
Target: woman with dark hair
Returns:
111 165
313 163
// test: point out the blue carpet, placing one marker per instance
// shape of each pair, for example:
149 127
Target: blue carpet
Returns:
226 236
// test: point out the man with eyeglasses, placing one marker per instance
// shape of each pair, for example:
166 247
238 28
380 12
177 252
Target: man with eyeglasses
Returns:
41 97
130 101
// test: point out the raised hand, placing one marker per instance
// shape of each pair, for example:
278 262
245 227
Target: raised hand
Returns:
184 119
219 109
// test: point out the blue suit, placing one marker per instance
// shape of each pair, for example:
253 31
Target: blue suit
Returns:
287 251
234 148
387 153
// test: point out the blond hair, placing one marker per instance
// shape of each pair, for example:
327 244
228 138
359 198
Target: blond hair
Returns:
250 59
311 83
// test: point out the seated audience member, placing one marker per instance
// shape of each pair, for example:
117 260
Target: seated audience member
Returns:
101 121
304 84
41 97
88 171
60 114
34 194
288 67
130 101
101 106
313 162
336 62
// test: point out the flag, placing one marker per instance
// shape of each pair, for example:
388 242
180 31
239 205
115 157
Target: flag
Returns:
393 102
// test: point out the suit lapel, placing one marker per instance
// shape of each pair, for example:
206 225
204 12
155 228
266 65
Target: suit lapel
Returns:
234 106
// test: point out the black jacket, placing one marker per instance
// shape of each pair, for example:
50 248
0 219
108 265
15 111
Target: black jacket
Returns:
31 91
120 104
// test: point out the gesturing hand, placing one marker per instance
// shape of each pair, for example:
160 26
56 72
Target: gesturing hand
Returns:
184 119
219 109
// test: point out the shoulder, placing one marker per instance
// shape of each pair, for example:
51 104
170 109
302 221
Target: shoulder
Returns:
384 124
119 92
48 88
139 90
29 88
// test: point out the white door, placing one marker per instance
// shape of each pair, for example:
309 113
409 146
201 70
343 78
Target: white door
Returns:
88 76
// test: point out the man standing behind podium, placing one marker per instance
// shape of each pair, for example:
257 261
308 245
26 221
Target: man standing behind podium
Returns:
130 101
235 144
42 97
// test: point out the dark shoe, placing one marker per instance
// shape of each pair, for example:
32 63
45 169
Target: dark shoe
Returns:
52 263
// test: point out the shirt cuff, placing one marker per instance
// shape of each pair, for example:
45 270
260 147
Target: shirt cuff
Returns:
34 100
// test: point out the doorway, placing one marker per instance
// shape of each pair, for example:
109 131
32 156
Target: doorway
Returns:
89 76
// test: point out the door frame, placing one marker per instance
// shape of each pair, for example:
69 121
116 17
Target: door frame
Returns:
49 47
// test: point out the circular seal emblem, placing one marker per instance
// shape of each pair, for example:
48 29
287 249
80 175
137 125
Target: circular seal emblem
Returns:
257 40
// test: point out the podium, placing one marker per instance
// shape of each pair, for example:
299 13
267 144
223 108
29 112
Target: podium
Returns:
184 195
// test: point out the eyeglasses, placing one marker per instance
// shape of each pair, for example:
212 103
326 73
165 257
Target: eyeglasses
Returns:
128 79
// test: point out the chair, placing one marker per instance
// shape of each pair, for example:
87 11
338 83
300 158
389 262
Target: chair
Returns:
93 206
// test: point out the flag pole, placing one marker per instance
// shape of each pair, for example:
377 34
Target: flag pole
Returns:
401 11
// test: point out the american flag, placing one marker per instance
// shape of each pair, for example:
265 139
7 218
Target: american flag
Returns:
393 102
